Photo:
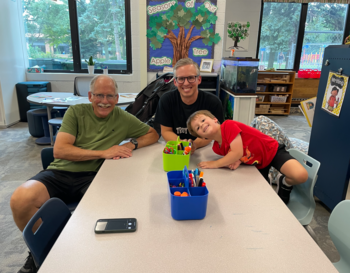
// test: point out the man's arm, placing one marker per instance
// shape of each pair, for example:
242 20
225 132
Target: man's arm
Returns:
168 133
149 138
64 149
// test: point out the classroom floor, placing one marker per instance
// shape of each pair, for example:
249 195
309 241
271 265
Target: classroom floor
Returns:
20 160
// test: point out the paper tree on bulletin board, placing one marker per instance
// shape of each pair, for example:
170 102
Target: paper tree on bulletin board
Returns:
238 34
183 25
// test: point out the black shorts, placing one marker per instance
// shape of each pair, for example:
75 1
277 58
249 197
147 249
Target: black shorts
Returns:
281 157
67 186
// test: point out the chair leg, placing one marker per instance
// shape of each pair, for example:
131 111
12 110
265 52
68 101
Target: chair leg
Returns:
311 232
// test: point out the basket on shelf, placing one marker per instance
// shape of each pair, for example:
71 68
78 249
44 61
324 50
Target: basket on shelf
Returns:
260 98
277 110
260 88
262 109
276 98
279 88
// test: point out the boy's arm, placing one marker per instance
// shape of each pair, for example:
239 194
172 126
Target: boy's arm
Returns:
232 156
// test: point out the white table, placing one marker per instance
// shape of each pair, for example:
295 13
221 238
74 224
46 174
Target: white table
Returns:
247 227
51 99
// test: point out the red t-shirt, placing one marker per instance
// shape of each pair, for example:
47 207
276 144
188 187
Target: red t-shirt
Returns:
331 101
258 149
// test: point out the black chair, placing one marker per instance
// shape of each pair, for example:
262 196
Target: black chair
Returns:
54 215
46 159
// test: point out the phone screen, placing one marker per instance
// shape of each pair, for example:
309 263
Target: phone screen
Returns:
115 225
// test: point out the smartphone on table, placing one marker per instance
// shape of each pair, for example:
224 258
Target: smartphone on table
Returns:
115 225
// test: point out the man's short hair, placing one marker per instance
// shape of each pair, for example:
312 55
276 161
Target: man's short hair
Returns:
94 79
193 116
183 62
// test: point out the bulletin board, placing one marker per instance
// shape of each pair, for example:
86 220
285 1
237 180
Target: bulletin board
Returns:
179 29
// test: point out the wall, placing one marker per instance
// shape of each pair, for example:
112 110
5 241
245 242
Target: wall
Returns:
12 65
244 11
239 10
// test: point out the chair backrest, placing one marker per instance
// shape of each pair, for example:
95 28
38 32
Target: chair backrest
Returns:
302 202
339 230
54 215
82 86
46 157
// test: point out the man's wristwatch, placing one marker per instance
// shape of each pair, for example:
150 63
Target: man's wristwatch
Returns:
134 141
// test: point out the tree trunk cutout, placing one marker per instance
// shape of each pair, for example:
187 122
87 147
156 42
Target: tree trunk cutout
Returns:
181 45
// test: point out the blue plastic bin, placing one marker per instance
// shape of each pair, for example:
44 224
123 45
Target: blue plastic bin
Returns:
192 207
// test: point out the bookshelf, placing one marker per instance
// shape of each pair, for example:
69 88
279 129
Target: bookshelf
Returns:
274 92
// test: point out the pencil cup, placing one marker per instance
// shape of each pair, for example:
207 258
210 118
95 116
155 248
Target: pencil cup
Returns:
175 161
191 207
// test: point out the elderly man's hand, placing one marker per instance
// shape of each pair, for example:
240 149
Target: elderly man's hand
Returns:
117 152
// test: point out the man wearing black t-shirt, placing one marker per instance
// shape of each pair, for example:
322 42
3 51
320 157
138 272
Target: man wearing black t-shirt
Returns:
175 107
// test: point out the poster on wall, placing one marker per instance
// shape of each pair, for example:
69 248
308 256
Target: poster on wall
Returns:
237 36
179 29
335 92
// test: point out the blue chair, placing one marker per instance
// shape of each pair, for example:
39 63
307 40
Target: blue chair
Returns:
46 159
302 203
54 215
339 230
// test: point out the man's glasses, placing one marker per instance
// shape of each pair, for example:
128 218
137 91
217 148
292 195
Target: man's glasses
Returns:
101 96
190 79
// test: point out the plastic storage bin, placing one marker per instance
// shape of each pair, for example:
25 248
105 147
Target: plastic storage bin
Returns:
176 161
191 207
25 89
278 98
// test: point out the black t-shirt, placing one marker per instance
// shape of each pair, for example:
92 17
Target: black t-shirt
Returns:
172 112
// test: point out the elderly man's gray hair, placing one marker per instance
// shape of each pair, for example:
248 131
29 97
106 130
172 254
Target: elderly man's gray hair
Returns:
93 81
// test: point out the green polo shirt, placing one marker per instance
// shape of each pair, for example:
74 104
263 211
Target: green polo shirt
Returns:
94 133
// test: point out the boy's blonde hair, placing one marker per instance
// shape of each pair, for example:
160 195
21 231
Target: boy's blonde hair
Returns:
194 116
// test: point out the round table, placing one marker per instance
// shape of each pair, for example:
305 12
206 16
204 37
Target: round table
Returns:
51 99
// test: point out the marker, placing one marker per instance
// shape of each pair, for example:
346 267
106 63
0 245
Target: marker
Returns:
201 181
187 150
191 180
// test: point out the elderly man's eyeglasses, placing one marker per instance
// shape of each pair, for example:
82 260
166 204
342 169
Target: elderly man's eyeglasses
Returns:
101 96
190 79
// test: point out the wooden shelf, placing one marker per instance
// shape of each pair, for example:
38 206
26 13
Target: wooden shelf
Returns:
290 85
262 83
273 93
269 102
285 114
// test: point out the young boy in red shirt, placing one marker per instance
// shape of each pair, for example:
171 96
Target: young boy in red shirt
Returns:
239 143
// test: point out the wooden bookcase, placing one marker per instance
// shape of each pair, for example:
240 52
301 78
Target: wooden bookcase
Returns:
271 81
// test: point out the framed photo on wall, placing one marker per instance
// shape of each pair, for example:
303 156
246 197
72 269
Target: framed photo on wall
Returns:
206 65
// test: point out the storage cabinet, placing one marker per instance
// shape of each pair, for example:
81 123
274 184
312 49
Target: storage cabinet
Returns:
274 92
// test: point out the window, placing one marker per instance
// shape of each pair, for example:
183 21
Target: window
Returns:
324 26
279 34
294 35
62 34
